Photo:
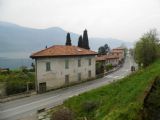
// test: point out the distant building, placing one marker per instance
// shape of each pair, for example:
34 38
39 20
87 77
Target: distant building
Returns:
60 65
119 52
108 59
115 57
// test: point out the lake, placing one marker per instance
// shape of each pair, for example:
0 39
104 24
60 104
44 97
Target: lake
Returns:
14 63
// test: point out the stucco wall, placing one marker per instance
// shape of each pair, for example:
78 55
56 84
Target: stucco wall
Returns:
56 77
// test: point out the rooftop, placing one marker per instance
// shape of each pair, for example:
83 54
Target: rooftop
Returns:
119 48
106 57
62 50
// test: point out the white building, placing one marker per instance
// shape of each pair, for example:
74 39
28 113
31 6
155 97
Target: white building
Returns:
61 65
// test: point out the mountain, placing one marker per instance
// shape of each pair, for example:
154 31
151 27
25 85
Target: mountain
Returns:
16 40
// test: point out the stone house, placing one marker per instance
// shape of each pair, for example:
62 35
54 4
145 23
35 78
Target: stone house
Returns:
61 65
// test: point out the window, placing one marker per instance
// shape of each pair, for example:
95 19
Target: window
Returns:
89 74
79 62
79 76
89 61
66 79
48 66
66 64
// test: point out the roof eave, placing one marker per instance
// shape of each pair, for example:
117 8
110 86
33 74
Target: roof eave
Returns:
55 56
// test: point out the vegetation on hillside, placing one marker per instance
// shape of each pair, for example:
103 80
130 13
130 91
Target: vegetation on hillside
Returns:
121 100
16 81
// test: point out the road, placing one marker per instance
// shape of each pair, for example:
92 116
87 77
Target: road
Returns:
28 106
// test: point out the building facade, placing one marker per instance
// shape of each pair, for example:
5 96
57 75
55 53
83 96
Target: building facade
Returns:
120 52
58 66
108 59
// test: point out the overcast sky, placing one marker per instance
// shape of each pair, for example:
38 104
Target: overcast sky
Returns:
121 19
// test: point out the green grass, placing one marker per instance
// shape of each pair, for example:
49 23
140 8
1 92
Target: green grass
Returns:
121 100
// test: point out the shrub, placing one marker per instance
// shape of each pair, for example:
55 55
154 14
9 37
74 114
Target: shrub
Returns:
89 106
108 67
99 68
16 82
63 114
24 69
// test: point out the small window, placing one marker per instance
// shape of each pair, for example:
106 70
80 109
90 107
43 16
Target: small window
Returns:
89 74
79 62
48 66
89 61
66 79
79 76
66 64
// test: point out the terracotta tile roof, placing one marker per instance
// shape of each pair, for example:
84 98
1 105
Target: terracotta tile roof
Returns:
62 50
119 49
106 57
101 58
112 56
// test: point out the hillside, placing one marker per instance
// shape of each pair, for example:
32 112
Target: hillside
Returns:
122 100
18 40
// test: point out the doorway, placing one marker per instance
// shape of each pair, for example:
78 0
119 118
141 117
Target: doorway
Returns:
42 87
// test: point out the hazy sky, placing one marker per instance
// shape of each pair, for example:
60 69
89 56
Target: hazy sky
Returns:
122 19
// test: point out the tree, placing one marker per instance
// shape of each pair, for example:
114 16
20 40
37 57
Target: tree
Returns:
103 50
85 40
33 67
99 68
131 52
80 41
107 48
68 40
145 51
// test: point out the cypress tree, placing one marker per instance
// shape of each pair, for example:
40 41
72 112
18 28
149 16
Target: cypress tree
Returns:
85 40
80 41
68 40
